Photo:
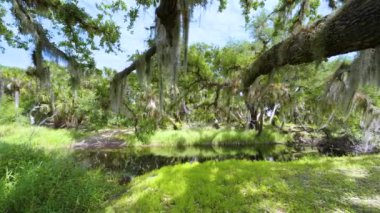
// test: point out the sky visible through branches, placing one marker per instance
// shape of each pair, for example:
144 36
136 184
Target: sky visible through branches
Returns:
208 26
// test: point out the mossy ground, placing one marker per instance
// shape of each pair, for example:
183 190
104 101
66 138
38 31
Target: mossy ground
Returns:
347 184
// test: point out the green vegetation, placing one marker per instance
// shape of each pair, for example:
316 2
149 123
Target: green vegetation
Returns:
308 185
209 136
178 103
38 172
213 151
32 180
39 177
42 137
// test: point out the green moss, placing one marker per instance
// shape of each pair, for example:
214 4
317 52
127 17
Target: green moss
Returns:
307 185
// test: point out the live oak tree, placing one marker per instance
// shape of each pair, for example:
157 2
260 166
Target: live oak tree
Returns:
353 27
297 35
336 34
173 16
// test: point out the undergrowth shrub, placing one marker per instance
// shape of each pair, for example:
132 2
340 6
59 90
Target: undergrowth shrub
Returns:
9 114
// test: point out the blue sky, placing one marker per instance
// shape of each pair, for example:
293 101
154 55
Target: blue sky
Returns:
208 25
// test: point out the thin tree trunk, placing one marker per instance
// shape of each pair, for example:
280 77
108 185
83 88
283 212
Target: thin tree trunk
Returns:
253 122
354 27
1 89
260 123
17 98
273 113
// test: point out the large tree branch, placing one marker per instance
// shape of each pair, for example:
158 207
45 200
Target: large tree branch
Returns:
123 74
352 28
166 13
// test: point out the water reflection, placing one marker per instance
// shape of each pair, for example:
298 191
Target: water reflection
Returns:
139 160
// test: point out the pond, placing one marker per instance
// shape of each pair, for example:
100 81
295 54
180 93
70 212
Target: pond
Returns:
134 161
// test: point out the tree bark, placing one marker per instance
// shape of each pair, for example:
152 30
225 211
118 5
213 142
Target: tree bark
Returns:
354 27
167 13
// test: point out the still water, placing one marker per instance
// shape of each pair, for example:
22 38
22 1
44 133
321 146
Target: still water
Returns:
134 161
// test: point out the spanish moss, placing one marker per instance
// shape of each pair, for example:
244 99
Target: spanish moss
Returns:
344 85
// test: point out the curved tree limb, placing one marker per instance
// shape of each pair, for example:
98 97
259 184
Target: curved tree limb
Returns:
123 74
118 82
354 27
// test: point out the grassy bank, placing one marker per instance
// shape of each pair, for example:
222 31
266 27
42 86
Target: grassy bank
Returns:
42 137
32 180
310 185
37 175
209 136
214 151
46 138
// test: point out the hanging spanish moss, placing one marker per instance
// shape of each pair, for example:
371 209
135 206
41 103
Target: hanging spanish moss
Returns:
42 77
43 46
168 39
346 81
343 90
371 126
172 33
172 16
143 72
118 91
